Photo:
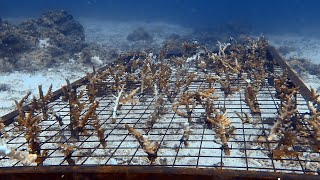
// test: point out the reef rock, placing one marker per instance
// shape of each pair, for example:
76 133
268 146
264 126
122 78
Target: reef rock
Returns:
55 37
139 34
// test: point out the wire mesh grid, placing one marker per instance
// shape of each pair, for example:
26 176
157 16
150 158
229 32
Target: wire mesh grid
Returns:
203 150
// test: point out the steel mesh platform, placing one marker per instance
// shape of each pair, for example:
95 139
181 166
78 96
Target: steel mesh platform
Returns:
203 150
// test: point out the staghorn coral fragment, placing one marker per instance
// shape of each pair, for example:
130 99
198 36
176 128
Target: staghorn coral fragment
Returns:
245 119
159 111
144 142
223 129
314 121
284 147
192 98
129 97
67 150
287 110
314 97
90 114
44 100
3 133
251 99
100 132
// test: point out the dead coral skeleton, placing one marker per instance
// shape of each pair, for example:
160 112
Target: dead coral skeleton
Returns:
122 99
22 156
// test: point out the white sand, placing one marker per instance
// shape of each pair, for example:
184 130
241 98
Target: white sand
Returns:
22 82
302 46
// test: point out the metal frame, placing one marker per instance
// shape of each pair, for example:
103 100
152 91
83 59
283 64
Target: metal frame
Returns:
158 171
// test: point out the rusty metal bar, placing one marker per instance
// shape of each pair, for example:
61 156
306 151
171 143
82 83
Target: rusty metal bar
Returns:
135 172
292 75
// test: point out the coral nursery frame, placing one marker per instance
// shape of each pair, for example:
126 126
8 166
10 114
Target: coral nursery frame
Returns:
180 153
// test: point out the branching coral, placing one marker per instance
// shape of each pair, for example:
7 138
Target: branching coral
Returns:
44 100
117 72
251 98
67 150
75 105
314 121
245 119
223 61
227 87
283 87
159 111
129 98
192 98
91 89
147 77
3 133
287 109
223 129
284 147
183 100
314 97
21 113
30 124
90 114
100 132
163 76
144 142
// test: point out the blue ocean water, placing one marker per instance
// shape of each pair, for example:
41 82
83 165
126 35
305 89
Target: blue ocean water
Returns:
261 15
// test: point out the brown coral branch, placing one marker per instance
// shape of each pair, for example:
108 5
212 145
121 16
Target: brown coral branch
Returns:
144 142
44 100
245 119
222 128
100 132
251 99
286 111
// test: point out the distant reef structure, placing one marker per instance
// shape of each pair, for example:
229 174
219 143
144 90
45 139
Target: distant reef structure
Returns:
52 39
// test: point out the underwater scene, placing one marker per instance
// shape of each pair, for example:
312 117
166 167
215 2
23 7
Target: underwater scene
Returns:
161 83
